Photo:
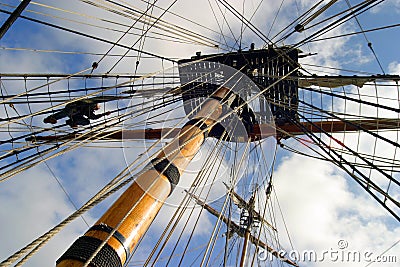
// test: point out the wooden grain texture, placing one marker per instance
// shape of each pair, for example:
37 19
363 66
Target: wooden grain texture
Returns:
134 211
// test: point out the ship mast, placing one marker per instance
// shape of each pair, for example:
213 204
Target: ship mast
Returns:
247 221
114 236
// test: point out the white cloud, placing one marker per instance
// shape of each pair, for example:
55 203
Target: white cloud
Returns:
33 203
388 7
320 210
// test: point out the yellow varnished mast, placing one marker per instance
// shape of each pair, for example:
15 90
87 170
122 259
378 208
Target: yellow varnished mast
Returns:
131 215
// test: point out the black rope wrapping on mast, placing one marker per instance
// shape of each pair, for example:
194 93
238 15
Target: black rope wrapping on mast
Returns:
169 170
84 247
117 235
200 123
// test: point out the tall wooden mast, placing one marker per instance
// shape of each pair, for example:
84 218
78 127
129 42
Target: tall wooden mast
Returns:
248 221
113 237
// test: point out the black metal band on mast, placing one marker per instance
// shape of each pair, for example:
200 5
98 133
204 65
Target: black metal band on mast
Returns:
13 17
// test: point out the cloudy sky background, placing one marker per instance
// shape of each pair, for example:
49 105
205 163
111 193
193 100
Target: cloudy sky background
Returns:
320 204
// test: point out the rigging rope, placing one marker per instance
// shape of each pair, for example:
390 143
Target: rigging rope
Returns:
88 36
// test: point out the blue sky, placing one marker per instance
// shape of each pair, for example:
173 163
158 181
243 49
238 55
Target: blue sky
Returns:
321 205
